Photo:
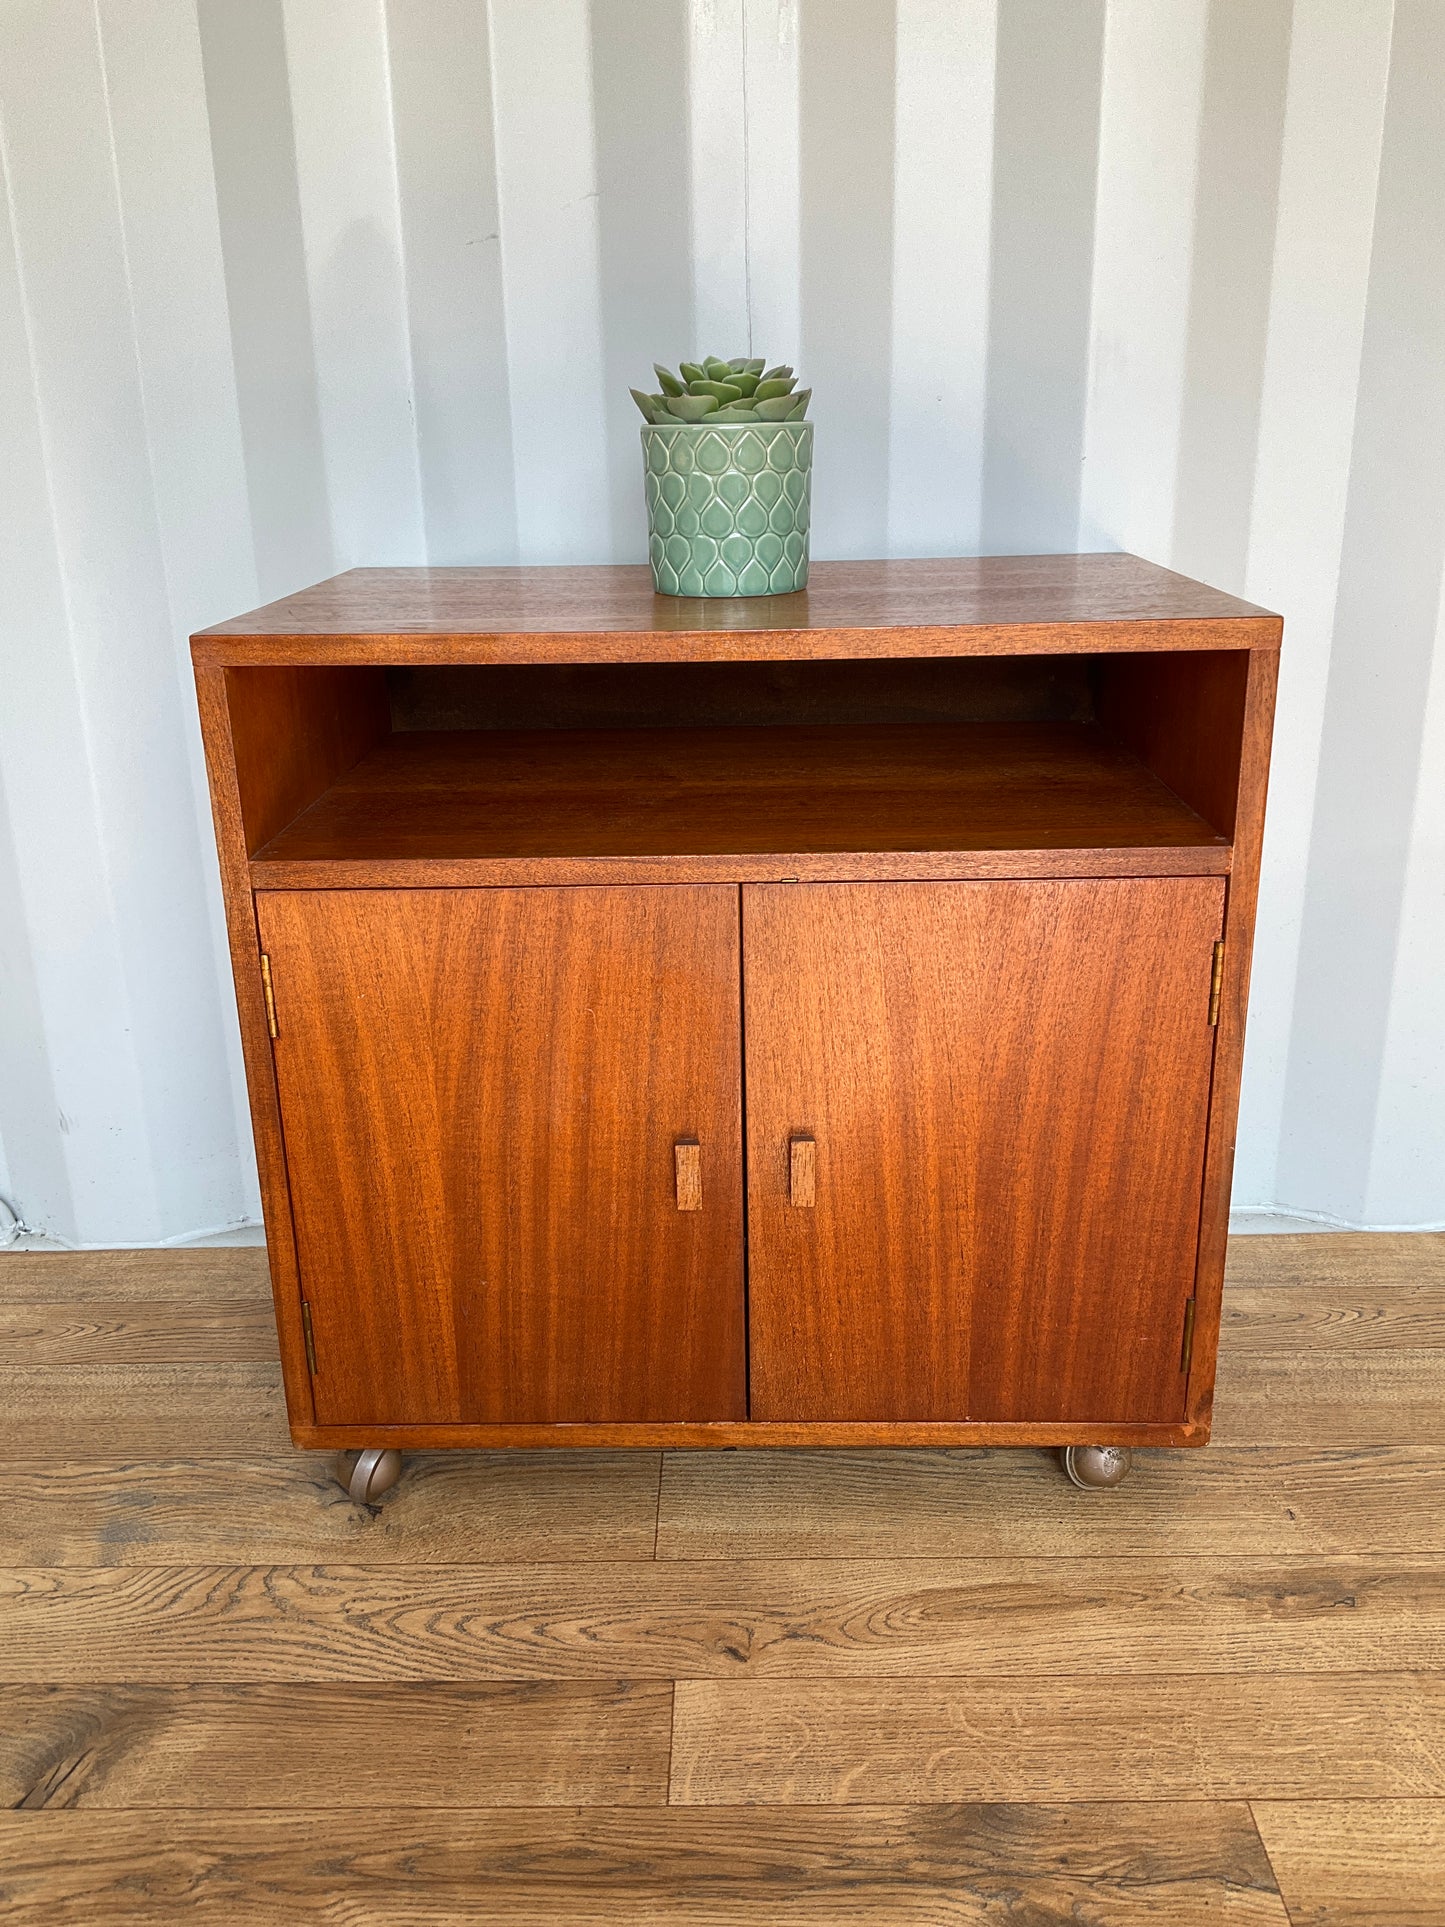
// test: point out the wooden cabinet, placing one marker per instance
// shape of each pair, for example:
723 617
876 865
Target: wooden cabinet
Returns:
810 1020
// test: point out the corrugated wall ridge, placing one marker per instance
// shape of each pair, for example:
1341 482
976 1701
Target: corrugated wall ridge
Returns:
308 283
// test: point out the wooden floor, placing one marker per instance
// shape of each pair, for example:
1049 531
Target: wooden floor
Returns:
917 1688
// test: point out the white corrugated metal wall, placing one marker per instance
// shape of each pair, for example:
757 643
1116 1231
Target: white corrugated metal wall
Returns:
297 284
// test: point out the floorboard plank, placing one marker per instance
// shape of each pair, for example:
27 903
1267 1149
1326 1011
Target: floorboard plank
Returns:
356 1748
1092 1866
1358 1863
1336 1318
450 1507
160 1410
753 1619
1330 1398
321 1698
215 1271
1285 1736
1355 1259
1245 1500
141 1411
80 1331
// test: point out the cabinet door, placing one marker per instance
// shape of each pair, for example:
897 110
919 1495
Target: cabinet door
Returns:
481 1094
998 1095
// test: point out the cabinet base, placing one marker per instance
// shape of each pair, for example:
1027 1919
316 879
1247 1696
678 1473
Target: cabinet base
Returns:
686 1434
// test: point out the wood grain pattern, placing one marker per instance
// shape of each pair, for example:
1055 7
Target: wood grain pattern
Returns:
742 695
1320 1736
482 1171
145 1411
1328 1261
1322 1399
824 1598
994 605
790 866
232 845
687 1169
1305 1318
802 1172
734 1434
955 1866
1243 1500
589 795
1331 1398
1184 715
85 1331
921 1033
1353 1260
744 1619
293 732
1358 1863
287 1508
101 1277
156 1747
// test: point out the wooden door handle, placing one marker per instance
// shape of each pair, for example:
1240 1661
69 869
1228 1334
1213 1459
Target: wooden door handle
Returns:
687 1172
802 1169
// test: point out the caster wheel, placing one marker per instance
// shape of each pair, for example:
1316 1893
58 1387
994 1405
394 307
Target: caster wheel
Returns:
1096 1467
366 1475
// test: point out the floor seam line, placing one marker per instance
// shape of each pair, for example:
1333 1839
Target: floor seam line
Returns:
1249 1806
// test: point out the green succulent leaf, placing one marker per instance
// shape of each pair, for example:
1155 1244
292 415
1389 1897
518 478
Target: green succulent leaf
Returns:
692 408
711 389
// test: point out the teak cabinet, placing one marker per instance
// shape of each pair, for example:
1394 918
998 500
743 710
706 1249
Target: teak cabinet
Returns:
814 1019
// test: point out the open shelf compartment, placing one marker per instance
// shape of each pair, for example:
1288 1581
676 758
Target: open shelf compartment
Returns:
978 766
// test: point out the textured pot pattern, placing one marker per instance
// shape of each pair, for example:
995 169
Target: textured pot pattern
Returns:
727 507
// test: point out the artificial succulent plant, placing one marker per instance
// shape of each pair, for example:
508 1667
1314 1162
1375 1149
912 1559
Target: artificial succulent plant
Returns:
741 390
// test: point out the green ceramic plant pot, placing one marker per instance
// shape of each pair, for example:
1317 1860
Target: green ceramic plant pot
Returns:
727 507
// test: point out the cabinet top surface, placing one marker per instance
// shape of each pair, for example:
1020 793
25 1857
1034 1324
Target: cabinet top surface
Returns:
989 605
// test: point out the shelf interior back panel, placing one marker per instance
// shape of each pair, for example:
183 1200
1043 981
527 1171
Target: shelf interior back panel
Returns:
573 793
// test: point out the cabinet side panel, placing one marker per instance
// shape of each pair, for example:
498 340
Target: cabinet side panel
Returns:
1184 715
1233 1006
255 1041
293 732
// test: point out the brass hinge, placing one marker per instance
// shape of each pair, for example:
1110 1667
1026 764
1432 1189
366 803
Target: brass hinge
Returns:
269 994
309 1336
1186 1350
1216 983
